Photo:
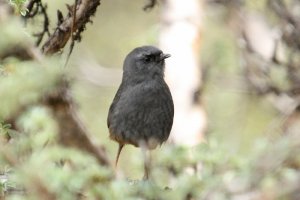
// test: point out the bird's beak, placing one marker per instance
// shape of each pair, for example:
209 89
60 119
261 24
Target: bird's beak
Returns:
164 56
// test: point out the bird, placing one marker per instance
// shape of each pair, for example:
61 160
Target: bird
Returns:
142 111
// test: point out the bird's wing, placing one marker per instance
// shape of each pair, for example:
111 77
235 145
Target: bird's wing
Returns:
113 104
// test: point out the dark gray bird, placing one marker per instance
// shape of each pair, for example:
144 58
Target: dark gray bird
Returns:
142 111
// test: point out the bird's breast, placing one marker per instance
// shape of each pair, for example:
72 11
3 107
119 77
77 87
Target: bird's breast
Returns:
143 112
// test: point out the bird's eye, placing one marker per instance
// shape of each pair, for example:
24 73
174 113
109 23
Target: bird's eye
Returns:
147 58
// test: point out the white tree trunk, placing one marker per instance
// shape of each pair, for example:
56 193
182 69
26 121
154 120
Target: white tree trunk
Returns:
180 36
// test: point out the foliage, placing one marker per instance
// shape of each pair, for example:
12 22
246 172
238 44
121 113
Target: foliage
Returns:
19 6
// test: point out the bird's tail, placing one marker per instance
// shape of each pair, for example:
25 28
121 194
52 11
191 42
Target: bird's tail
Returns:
119 152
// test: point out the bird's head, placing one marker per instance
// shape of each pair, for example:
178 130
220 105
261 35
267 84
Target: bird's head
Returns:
145 62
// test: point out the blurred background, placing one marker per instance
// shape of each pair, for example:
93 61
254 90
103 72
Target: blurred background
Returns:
234 76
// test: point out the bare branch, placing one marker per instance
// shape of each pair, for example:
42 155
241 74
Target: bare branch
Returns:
73 38
34 8
85 9
150 5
